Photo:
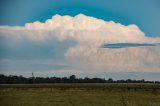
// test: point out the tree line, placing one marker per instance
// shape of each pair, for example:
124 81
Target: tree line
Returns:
13 79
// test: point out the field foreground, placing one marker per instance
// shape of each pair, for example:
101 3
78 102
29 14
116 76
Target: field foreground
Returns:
80 95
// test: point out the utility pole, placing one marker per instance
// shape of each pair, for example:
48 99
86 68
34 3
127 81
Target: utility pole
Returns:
33 78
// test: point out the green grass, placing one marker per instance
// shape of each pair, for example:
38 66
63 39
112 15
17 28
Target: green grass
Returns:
79 95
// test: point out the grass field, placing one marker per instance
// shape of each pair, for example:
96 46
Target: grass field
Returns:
80 95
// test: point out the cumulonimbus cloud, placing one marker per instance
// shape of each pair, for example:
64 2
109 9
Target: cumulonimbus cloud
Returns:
90 34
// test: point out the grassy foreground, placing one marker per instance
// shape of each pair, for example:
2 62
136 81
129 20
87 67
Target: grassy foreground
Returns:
80 95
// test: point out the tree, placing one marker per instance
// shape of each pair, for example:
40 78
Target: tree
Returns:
13 79
110 80
72 78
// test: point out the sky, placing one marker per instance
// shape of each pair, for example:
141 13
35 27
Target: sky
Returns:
99 38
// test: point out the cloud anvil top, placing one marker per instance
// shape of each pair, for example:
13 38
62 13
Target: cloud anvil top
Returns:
77 42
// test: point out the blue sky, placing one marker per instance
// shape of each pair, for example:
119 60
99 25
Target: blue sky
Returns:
55 47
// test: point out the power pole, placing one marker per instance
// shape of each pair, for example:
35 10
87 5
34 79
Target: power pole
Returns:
33 78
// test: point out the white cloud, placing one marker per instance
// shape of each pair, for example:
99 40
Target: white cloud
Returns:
143 59
90 34
80 28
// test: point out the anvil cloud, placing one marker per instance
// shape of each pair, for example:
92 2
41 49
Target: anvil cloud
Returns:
84 36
